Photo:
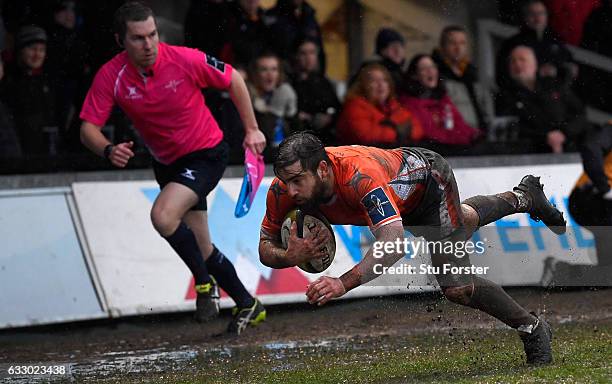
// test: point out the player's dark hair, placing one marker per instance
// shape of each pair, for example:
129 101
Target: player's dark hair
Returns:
130 11
447 31
303 147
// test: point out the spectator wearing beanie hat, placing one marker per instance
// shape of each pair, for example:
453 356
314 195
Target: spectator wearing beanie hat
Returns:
390 47
29 93
389 43
28 35
389 52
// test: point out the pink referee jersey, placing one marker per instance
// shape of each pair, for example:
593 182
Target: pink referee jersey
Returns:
167 106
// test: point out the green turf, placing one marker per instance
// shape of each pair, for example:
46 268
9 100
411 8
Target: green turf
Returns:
583 354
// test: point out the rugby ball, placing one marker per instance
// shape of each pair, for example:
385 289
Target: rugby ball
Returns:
305 223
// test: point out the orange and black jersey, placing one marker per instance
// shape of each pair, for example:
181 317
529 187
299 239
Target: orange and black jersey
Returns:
372 187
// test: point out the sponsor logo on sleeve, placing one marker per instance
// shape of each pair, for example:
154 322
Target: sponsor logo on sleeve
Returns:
215 63
378 205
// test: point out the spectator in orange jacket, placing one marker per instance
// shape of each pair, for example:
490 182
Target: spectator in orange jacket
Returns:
372 115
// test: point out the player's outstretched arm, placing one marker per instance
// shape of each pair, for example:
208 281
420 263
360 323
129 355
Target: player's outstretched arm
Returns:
92 138
299 250
326 288
254 139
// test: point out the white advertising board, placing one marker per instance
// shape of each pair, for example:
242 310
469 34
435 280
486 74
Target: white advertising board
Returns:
44 277
139 272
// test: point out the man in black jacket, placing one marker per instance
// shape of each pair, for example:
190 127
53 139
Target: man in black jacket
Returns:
318 104
551 117
247 33
554 58
293 21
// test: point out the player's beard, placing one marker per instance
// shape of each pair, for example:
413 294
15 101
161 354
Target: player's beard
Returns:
320 195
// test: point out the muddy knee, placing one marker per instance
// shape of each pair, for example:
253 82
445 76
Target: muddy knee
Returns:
460 295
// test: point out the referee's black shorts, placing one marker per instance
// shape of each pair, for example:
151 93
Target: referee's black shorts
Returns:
199 171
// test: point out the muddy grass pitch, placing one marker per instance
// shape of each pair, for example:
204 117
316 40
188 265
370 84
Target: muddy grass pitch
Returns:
399 339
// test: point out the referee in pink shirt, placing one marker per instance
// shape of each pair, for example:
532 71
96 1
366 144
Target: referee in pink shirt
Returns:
158 86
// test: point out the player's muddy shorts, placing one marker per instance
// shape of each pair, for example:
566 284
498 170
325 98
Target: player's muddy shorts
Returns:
199 171
438 217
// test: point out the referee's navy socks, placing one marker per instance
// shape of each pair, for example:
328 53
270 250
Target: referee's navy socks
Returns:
224 272
183 241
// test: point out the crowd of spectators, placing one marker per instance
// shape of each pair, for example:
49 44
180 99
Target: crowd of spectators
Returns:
46 72
433 99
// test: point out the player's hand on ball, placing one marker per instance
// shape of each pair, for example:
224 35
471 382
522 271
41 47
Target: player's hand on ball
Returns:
300 250
255 141
324 289
121 153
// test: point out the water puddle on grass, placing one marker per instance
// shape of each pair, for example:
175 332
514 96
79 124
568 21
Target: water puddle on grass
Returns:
182 359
